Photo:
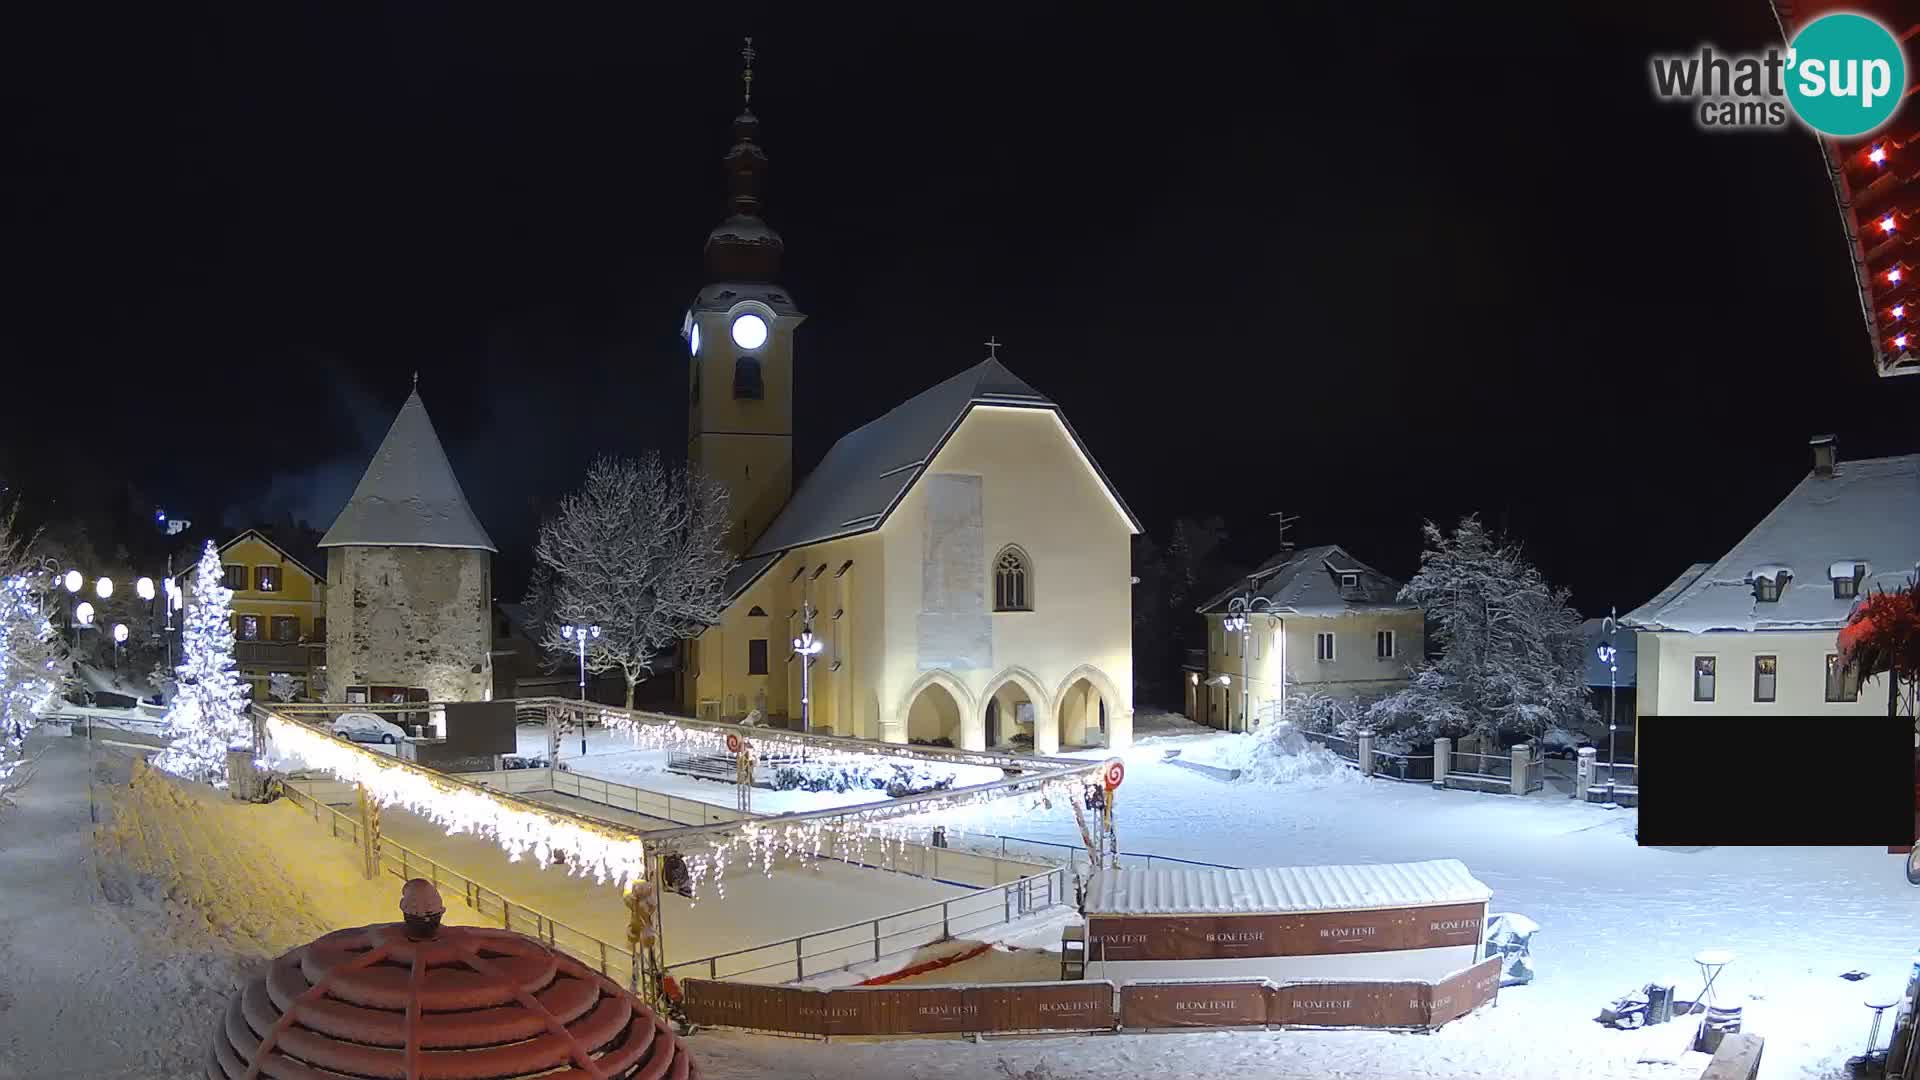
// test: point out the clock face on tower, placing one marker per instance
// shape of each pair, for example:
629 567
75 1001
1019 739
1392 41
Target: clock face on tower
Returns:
749 331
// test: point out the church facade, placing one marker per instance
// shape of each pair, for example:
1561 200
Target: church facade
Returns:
961 564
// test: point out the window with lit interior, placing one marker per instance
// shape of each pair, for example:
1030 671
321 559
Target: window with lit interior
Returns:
1012 581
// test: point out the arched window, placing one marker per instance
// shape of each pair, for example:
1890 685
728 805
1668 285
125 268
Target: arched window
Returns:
746 378
1012 580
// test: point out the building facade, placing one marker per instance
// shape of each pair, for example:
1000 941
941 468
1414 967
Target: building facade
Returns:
279 612
962 562
409 596
1313 620
1756 631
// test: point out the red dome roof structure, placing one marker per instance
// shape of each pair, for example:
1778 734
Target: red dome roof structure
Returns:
419 1001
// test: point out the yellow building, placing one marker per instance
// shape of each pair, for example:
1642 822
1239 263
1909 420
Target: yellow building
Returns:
279 612
1315 620
962 562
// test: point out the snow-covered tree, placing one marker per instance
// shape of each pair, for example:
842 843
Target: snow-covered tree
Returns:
639 551
1512 656
208 715
33 660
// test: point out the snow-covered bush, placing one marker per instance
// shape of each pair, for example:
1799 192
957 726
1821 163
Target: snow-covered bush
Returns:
897 779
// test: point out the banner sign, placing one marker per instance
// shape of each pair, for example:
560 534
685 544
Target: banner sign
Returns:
1089 1006
1193 1004
1318 933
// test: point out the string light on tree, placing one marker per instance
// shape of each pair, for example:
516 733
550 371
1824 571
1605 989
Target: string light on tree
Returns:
209 715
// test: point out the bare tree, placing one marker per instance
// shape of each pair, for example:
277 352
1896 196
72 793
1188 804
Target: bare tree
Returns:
640 552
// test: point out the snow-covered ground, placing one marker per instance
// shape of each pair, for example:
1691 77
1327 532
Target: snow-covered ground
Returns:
1613 916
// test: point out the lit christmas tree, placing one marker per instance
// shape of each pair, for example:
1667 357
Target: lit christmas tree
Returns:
209 712
32 668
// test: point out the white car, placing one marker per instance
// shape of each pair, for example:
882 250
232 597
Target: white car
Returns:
366 727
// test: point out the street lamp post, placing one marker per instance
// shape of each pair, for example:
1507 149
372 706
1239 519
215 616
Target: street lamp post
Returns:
1237 622
1610 657
580 635
806 646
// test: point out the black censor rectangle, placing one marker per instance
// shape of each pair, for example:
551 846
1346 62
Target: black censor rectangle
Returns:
1787 781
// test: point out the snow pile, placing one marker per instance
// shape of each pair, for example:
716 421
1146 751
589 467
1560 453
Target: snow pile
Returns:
1277 755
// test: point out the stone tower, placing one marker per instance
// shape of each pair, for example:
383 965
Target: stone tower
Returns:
409 578
739 330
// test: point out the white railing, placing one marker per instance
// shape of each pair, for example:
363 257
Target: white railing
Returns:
874 940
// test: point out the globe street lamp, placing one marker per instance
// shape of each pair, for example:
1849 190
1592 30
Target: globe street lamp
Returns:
73 581
580 635
119 639
1610 657
144 588
104 588
83 615
806 647
1237 622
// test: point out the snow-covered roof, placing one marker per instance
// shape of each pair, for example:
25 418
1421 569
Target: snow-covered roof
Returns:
722 295
1307 582
745 228
866 474
1625 657
110 682
1195 890
409 496
1867 511
312 561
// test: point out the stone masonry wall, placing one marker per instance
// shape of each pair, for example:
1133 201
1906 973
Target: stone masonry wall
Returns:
410 616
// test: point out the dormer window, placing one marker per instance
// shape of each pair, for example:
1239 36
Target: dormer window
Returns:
1349 581
1847 576
1769 582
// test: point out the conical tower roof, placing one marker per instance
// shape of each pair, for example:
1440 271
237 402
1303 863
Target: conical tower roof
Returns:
409 496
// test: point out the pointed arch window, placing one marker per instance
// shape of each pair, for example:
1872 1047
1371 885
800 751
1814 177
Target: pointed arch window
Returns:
746 378
1012 580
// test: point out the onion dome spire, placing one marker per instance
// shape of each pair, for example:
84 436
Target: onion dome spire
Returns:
744 247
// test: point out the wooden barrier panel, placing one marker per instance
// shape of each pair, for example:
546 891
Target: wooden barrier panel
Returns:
1463 991
1350 1004
1089 1006
1067 1006
1319 933
1193 1004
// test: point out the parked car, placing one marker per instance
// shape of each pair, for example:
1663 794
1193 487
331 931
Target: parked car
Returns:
366 727
1561 743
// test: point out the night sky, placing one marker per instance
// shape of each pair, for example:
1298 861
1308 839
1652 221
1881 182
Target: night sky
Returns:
1369 267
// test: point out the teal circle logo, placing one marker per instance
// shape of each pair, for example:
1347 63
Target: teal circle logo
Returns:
1845 75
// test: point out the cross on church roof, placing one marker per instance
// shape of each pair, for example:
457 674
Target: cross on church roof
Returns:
993 346
746 73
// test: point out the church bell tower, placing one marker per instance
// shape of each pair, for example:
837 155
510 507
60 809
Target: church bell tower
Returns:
739 332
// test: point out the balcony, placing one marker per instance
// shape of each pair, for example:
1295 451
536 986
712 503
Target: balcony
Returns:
280 655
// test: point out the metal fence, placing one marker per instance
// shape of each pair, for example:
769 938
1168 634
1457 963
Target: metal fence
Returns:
1386 763
1075 855
873 940
406 864
1000 899
1348 749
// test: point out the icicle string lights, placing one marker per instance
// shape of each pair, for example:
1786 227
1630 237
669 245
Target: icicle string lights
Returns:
607 853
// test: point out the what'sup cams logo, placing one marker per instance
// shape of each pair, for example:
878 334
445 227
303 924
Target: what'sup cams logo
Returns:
1842 75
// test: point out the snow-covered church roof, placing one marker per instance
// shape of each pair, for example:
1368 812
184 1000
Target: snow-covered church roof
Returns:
1867 512
409 496
866 474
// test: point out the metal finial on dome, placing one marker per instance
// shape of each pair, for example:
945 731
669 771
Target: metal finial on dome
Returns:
421 908
747 53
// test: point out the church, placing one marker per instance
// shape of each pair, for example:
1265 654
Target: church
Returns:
955 572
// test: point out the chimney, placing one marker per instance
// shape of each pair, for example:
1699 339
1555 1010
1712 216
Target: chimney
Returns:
1826 453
